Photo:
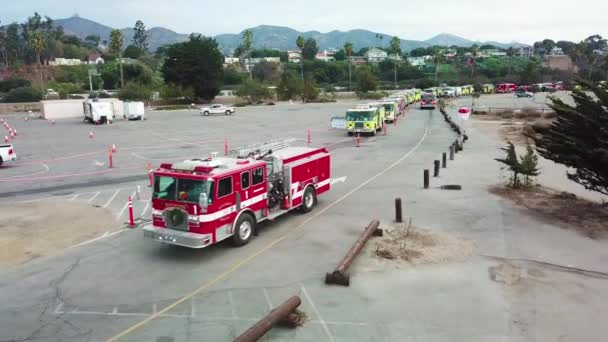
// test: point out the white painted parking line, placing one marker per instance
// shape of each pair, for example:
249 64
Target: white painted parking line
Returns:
143 212
316 311
268 301
232 308
105 235
73 198
111 198
94 197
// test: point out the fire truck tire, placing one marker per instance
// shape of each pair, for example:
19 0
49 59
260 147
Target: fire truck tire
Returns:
350 134
309 199
1 161
243 230
205 113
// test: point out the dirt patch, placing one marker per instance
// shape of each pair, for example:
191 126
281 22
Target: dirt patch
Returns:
32 230
518 126
505 273
587 217
414 245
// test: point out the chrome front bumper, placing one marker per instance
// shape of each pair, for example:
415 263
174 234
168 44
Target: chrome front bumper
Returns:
179 238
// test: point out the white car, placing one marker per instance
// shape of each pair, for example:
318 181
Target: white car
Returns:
218 109
7 153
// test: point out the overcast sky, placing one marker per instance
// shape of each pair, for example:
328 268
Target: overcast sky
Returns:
505 21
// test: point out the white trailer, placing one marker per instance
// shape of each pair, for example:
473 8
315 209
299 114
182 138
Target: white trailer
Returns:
98 112
134 111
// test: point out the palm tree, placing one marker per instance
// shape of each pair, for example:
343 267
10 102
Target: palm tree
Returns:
247 45
381 39
437 58
116 43
38 43
396 47
377 39
510 52
300 44
474 53
348 48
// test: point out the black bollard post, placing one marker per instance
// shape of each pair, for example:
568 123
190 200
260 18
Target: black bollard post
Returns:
444 160
426 179
452 152
436 169
398 211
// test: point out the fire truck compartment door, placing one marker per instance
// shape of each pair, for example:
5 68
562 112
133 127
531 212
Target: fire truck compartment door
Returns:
238 201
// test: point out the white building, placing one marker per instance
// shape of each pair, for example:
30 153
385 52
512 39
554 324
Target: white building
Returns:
66 61
419 61
95 58
326 55
294 56
375 55
526 51
231 61
556 51
491 53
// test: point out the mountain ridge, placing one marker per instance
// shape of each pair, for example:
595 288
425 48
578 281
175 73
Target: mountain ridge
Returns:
269 36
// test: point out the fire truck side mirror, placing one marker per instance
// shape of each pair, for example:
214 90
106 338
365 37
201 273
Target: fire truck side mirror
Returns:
203 200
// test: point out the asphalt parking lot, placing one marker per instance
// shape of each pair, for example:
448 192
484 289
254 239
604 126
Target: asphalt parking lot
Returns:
127 288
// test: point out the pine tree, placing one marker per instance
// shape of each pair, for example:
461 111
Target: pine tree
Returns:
512 163
579 138
529 165
140 37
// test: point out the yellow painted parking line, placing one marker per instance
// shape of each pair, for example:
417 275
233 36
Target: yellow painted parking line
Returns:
259 252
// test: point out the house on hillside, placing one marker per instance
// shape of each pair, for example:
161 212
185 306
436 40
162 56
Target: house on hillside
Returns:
526 51
358 60
231 61
556 51
326 55
419 62
375 55
294 56
491 53
95 58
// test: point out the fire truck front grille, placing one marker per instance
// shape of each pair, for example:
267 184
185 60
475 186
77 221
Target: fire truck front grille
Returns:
176 219
359 124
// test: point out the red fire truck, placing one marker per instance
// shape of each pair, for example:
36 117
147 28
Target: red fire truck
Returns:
200 202
506 88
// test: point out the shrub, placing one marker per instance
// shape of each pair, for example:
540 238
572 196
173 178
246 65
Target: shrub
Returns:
13 83
134 92
64 88
23 94
310 92
372 95
253 92
170 91
290 86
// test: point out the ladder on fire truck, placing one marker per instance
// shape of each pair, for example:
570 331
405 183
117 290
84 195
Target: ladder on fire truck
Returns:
258 149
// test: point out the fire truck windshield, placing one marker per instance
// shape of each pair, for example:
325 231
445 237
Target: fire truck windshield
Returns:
359 116
182 189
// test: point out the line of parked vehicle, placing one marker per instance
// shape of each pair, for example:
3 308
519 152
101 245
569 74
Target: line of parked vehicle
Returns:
370 118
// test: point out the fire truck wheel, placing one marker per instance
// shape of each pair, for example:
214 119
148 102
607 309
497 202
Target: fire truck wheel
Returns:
243 230
309 199
350 134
